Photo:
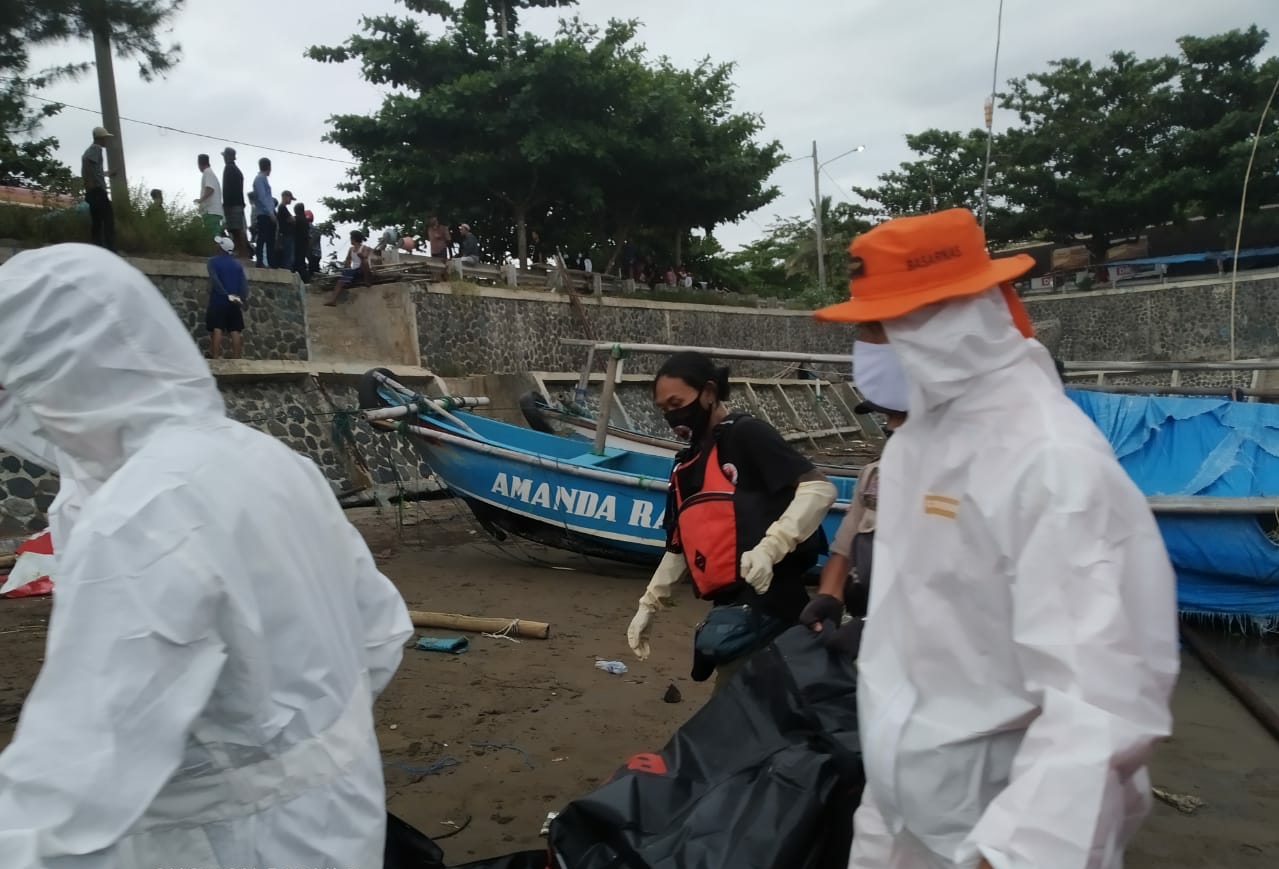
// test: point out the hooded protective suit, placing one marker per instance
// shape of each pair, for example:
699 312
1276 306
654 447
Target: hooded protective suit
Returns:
219 632
20 434
1015 672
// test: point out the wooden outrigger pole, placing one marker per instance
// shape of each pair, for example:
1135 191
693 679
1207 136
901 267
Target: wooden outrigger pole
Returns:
1181 505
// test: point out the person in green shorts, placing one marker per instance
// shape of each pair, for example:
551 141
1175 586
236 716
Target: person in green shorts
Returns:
210 199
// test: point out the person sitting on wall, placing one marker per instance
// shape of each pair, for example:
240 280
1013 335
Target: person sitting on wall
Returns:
468 246
358 264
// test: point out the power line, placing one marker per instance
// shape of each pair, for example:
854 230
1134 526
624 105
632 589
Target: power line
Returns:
841 187
170 129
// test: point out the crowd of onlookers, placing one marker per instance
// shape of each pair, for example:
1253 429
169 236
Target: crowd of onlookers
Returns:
272 231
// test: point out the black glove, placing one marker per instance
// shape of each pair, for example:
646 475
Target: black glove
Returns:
845 641
823 608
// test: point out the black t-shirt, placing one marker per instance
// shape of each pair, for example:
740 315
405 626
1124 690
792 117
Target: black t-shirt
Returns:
232 186
767 469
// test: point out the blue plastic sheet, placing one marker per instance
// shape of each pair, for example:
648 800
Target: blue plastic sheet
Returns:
1226 565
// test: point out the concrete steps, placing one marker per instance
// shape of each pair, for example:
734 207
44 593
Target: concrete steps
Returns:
374 325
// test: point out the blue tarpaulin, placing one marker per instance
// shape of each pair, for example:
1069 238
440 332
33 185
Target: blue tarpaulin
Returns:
1203 256
1226 565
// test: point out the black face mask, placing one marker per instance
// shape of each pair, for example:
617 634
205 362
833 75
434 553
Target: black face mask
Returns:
693 418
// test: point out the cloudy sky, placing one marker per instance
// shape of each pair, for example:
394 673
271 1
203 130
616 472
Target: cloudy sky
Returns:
841 72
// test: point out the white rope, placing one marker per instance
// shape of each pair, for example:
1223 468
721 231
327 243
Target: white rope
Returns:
1243 204
506 632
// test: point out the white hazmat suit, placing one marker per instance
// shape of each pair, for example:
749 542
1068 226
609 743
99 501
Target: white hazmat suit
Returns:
219 631
1015 672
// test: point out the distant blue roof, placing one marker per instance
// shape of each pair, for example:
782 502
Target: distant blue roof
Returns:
1205 256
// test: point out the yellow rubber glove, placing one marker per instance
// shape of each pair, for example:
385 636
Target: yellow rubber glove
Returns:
668 574
803 516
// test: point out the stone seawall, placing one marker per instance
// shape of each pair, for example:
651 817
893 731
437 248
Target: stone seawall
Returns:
274 314
464 330
305 412
1185 322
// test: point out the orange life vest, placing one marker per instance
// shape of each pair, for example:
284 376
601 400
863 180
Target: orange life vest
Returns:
707 523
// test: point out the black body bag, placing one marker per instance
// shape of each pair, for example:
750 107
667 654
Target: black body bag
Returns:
766 775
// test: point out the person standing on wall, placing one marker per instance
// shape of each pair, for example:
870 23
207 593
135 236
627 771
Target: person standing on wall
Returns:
233 204
315 247
94 174
1021 644
210 199
301 241
285 231
264 214
437 236
743 518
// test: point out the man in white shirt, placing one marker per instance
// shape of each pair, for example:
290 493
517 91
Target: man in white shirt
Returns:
210 199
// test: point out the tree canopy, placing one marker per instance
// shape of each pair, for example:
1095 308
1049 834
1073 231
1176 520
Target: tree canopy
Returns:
1101 152
581 138
134 29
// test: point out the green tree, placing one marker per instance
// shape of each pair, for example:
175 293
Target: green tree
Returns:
578 137
127 28
1093 149
947 174
1222 89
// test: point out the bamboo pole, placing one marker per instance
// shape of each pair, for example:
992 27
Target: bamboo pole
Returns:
480 625
606 403
1264 714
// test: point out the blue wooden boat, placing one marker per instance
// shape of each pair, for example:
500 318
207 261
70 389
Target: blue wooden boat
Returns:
551 489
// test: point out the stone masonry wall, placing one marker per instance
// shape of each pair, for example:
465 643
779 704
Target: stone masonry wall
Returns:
274 314
1184 323
464 330
299 412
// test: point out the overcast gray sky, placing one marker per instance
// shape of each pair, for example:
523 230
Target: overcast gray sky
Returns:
842 72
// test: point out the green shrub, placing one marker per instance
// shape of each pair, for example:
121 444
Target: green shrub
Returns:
139 229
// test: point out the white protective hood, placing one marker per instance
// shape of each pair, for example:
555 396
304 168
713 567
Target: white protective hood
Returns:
1016 670
20 434
219 629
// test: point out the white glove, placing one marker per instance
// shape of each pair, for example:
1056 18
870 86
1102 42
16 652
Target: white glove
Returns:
757 570
802 518
637 633
235 299
669 572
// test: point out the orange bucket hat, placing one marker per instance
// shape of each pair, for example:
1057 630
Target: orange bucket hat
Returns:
909 262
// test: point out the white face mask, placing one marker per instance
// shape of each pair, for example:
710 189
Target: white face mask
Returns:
878 375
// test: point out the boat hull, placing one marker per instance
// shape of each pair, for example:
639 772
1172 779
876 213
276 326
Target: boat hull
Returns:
611 506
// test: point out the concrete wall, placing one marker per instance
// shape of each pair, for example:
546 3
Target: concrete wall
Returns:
463 329
377 325
1187 322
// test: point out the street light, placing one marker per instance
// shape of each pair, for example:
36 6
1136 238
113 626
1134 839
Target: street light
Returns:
817 209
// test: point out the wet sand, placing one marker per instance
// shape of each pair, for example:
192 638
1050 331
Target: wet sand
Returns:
491 740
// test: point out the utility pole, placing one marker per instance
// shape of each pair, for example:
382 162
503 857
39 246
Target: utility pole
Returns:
501 21
990 117
817 222
111 116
